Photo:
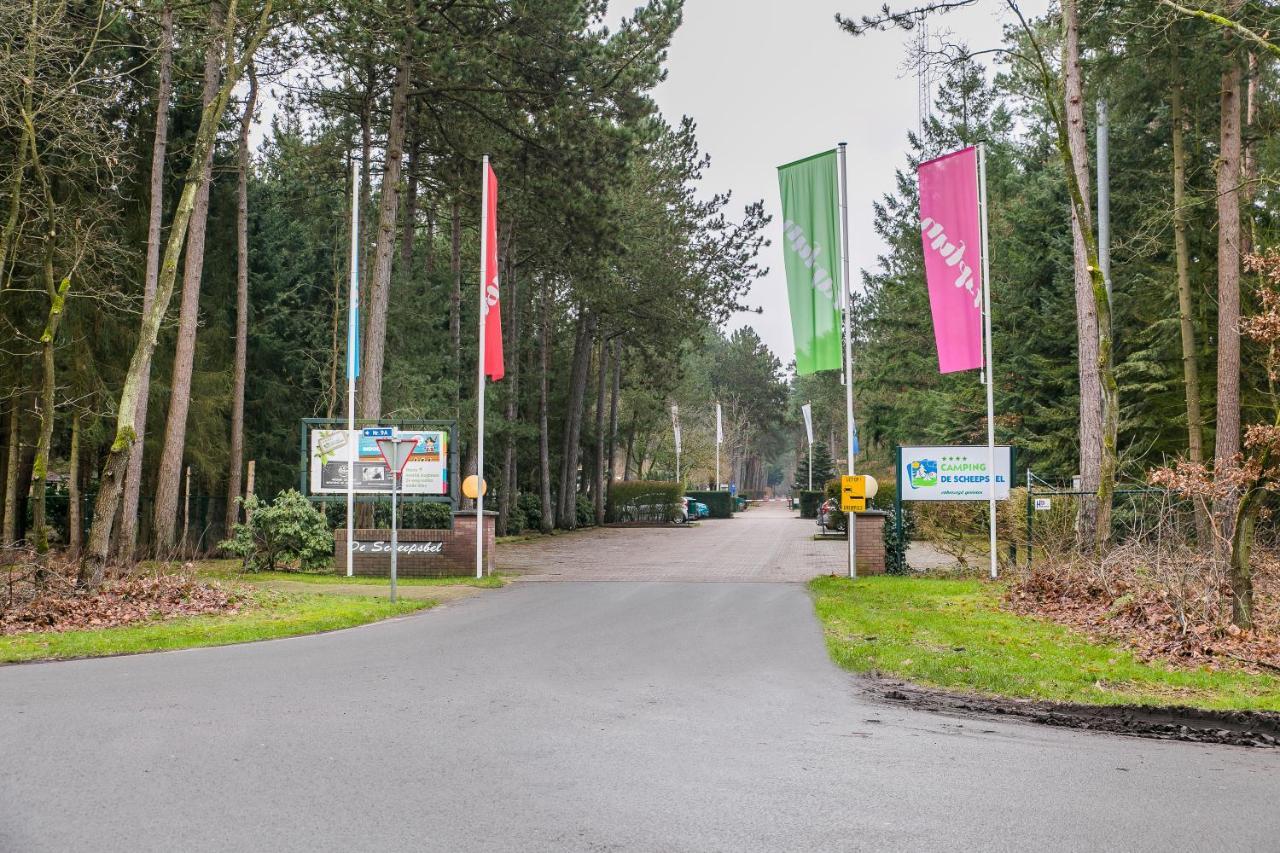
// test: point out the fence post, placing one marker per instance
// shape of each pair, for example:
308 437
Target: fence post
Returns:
1031 519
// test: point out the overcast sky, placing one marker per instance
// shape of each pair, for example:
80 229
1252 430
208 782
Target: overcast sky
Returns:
769 82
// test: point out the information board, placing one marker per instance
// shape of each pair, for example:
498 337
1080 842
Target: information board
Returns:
426 472
952 473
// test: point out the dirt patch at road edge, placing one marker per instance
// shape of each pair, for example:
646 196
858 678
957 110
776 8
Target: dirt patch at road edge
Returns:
1170 722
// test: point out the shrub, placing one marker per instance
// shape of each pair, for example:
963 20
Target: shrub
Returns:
531 509
809 503
955 528
585 511
289 532
720 503
663 496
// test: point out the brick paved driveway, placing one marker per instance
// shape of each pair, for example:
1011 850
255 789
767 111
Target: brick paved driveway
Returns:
767 543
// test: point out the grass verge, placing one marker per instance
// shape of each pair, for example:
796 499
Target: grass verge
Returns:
270 616
953 634
229 570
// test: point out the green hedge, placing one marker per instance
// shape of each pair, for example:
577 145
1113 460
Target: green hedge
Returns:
720 503
809 503
650 493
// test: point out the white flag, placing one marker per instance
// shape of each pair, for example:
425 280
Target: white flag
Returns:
719 426
808 420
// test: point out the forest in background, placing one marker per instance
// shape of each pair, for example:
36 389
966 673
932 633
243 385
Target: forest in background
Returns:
173 297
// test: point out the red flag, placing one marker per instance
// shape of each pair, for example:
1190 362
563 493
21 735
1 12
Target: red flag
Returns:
493 366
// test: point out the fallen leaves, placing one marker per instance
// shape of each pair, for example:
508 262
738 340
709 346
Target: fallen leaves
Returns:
55 604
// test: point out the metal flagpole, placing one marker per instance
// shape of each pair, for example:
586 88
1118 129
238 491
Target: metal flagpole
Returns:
986 358
484 305
851 523
353 363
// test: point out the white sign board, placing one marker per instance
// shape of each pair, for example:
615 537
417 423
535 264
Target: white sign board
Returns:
952 473
426 472
1043 503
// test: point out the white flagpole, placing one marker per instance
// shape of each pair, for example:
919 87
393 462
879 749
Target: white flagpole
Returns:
353 328
852 521
484 304
986 360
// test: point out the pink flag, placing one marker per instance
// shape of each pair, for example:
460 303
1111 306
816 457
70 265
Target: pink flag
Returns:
493 363
953 257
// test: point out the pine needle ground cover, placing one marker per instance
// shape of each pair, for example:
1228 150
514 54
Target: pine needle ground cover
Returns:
954 634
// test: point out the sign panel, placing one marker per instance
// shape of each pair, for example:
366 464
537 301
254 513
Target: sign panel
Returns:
425 473
953 473
853 493
1043 504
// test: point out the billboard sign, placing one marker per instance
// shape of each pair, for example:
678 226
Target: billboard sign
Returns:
425 473
952 473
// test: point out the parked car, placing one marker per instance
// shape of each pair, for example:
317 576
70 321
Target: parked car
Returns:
830 518
695 508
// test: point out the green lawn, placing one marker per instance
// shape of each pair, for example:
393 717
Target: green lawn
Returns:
270 615
229 570
953 634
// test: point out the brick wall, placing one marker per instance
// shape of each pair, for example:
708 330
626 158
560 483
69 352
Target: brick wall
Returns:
453 556
871 543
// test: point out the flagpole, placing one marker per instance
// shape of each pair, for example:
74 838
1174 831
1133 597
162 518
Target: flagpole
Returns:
484 259
353 362
987 361
851 523
719 439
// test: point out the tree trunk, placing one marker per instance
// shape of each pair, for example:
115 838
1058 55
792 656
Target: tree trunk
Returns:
127 539
430 264
44 440
9 534
169 476
1098 411
410 227
573 422
1186 313
236 453
511 296
366 177
631 446
602 383
455 300
613 416
375 343
75 529
94 563
1227 434
544 450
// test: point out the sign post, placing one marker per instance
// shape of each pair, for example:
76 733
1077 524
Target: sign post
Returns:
395 450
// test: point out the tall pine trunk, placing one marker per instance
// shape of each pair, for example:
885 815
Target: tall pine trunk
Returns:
1227 433
511 346
615 390
578 379
375 342
1099 405
1186 311
544 450
75 526
455 299
599 483
9 530
93 565
127 538
165 518
235 455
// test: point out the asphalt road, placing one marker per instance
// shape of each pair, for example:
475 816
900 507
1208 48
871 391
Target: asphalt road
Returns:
657 716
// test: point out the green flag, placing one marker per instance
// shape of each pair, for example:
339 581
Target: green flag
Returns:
811 250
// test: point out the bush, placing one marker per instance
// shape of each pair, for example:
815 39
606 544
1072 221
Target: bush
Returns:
585 511
809 503
662 496
287 533
895 547
530 507
720 503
